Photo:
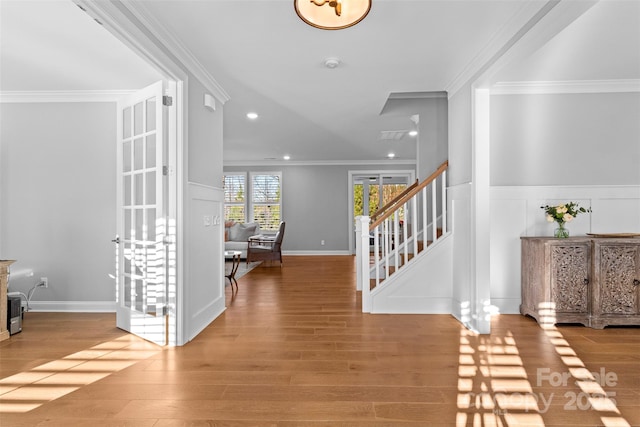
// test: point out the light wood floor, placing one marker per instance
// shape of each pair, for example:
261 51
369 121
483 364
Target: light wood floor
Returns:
293 349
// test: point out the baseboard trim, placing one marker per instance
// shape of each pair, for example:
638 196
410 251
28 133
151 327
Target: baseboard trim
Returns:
296 253
73 306
506 305
204 317
412 305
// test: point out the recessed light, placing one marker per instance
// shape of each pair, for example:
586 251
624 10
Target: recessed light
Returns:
252 115
413 132
286 157
391 155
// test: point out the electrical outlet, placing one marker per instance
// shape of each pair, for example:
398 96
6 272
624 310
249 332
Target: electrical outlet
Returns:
44 282
322 242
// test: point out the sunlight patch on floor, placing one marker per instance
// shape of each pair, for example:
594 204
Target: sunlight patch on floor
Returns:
28 390
592 395
493 388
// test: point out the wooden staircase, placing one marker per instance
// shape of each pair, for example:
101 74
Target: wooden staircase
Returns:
392 269
402 230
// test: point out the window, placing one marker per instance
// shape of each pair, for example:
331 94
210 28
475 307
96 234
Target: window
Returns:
234 198
256 200
265 199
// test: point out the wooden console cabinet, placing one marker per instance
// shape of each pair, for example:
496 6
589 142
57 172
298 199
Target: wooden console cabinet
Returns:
4 283
594 281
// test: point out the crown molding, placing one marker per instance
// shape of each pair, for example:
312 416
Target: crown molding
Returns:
417 95
524 34
526 17
131 23
316 162
177 48
559 87
409 102
63 96
120 22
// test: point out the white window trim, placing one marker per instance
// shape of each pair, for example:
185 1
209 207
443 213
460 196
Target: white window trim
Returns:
246 192
249 199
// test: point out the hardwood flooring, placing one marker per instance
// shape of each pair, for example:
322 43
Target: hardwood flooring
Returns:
294 349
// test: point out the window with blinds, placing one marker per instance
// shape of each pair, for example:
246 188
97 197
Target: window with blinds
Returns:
235 198
266 190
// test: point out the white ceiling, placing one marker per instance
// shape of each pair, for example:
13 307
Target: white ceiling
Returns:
602 44
270 62
52 45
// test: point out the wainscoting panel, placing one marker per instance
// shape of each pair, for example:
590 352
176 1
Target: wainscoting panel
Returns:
204 287
425 288
460 199
516 212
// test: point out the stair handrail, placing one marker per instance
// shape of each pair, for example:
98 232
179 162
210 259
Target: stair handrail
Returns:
393 202
394 248
409 194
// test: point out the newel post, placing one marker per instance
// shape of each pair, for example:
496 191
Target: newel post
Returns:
362 261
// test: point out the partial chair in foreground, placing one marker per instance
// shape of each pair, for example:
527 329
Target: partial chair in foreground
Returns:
266 249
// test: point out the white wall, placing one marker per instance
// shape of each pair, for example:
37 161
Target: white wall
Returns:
516 212
460 209
58 191
565 139
203 289
423 289
557 148
432 149
315 204
460 137
205 138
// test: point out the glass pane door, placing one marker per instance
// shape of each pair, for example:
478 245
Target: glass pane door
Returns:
142 252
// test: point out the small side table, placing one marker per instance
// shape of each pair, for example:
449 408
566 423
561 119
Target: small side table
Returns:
234 256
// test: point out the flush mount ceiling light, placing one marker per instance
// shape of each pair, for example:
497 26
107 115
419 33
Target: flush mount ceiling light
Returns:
332 14
252 115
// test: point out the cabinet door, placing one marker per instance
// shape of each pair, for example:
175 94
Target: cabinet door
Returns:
570 267
618 272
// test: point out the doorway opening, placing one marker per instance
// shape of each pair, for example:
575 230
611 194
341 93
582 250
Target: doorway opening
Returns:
371 190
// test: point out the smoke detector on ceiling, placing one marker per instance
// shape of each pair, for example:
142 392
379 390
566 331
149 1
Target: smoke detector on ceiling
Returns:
331 63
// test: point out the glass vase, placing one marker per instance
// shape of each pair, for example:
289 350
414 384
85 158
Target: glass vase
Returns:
561 232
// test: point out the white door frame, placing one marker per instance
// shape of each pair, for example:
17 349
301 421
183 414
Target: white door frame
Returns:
411 173
113 17
548 21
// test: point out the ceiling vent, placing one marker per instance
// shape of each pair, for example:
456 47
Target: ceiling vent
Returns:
392 135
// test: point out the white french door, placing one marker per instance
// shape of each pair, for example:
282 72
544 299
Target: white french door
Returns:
144 239
371 190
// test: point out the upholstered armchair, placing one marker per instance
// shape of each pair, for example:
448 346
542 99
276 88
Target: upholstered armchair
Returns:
266 249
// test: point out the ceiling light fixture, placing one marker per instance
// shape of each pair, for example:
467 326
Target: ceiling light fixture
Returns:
286 157
413 133
332 14
391 155
252 116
